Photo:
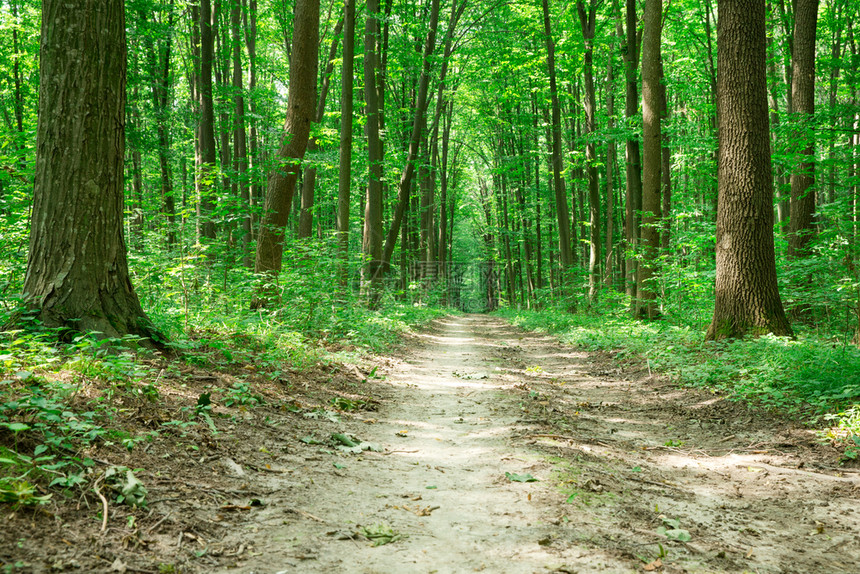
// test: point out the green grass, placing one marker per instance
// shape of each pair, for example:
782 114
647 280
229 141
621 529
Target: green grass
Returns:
60 399
810 377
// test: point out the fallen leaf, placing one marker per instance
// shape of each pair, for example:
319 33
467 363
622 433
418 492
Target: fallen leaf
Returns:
652 566
514 477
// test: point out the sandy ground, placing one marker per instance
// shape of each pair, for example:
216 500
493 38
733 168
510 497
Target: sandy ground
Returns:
477 399
632 475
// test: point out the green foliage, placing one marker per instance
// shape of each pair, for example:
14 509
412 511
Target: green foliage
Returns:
809 375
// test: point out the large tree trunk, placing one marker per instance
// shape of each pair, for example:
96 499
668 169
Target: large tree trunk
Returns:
300 106
77 272
562 212
803 97
345 154
646 286
747 297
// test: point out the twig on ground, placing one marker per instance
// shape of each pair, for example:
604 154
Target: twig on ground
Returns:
308 515
152 528
104 502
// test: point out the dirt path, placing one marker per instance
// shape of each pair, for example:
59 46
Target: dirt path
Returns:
617 460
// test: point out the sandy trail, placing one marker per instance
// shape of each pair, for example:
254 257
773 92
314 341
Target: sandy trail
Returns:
615 459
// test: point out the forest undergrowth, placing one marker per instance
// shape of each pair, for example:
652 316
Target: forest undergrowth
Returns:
814 377
67 397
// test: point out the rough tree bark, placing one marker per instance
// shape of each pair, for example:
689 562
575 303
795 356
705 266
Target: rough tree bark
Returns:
747 297
77 272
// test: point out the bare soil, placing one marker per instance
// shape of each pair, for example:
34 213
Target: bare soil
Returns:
632 474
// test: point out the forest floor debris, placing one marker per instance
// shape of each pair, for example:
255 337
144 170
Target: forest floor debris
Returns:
549 460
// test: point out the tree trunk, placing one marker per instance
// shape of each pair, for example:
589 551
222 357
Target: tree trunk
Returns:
345 152
240 145
18 103
159 70
300 105
646 286
372 237
562 212
633 171
77 272
665 171
249 19
207 153
588 23
747 297
611 154
802 207
309 178
418 119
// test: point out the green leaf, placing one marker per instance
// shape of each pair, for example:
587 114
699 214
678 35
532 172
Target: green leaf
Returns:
204 400
672 522
678 534
381 534
514 477
344 440
16 427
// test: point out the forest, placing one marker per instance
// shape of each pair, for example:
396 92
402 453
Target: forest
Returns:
213 204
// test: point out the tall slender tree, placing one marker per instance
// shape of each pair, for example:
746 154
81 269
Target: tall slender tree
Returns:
206 160
802 207
588 23
561 205
297 128
372 236
345 152
633 170
646 288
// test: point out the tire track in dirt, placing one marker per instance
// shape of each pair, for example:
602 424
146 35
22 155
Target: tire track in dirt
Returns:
617 459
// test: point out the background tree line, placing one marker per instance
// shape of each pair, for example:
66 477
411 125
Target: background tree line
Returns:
571 148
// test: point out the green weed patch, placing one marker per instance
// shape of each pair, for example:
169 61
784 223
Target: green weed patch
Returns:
809 377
